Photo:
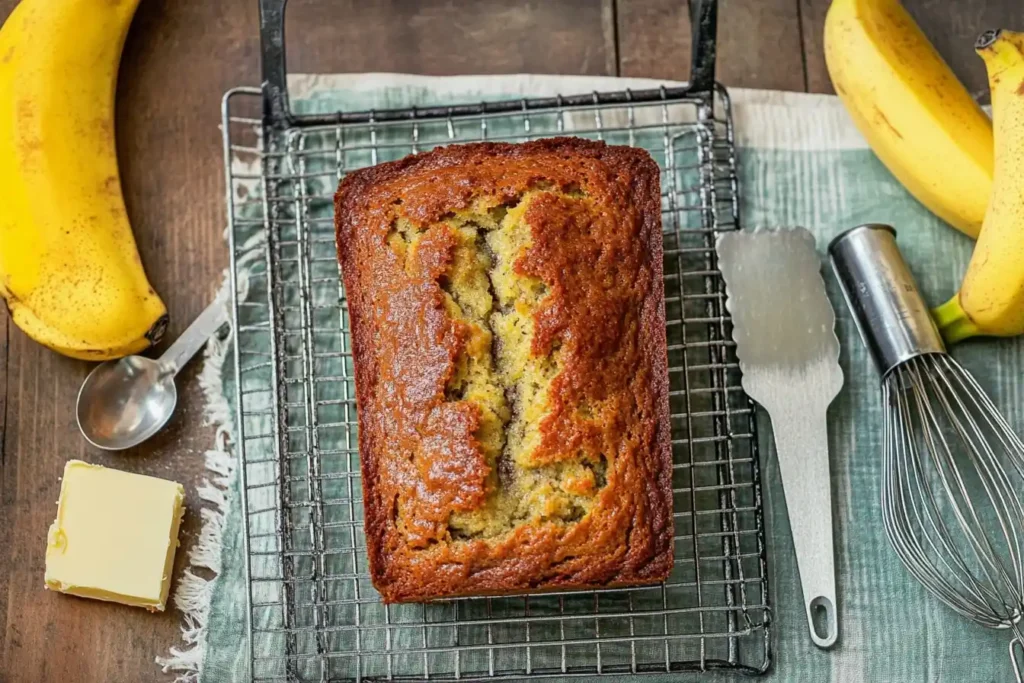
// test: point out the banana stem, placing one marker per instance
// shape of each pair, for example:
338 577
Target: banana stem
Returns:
954 324
987 39
1000 47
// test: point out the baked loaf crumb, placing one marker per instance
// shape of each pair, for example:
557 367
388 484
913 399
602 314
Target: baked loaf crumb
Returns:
508 328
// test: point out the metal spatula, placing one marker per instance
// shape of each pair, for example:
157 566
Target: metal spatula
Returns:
784 328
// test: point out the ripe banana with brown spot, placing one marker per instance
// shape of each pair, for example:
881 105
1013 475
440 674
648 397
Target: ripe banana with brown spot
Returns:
69 268
916 116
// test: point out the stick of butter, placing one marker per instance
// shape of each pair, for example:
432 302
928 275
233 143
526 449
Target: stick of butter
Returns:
115 536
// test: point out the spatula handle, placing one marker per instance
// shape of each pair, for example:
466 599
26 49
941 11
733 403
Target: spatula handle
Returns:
801 439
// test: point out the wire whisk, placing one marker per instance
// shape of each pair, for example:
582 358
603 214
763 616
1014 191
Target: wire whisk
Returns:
953 474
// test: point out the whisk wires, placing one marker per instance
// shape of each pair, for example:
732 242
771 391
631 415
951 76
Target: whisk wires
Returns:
953 478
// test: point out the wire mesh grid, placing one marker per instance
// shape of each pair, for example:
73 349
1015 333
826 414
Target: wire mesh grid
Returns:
313 612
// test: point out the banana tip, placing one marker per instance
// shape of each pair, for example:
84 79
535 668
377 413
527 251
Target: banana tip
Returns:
987 39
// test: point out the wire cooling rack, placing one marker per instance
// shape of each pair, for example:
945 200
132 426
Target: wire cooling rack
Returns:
313 614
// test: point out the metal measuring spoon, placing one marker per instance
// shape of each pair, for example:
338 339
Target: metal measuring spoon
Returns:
124 402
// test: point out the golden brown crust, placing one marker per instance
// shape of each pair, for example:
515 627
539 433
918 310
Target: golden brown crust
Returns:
601 262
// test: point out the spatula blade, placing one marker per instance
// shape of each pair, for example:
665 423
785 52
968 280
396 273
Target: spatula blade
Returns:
784 328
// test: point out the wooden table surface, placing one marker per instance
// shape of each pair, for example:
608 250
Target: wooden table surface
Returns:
180 57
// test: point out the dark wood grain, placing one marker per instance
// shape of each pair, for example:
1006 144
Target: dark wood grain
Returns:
812 26
180 58
951 26
758 45
440 37
5 547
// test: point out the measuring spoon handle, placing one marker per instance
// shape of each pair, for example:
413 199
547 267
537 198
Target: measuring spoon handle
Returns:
197 334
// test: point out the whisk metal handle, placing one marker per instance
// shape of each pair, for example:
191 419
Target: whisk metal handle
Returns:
892 317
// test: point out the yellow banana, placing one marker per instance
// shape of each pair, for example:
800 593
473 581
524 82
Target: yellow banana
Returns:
917 117
991 297
69 267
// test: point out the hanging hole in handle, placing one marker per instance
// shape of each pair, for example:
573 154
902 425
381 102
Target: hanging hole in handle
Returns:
822 616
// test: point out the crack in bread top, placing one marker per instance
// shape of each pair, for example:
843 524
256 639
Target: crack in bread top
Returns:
507 315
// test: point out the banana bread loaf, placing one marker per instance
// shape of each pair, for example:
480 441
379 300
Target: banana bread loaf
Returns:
508 335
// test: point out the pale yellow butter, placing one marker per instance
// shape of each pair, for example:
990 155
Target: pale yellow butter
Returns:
115 536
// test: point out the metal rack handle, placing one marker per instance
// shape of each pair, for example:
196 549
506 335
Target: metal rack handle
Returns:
277 111
703 29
